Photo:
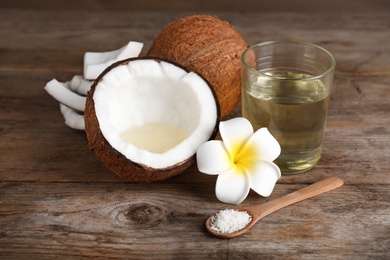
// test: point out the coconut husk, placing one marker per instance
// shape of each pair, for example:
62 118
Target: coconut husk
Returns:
208 46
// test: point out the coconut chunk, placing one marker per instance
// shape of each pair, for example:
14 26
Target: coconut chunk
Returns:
61 92
96 62
72 118
153 115
80 85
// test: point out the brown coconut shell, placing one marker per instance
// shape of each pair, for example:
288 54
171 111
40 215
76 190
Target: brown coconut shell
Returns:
117 162
209 46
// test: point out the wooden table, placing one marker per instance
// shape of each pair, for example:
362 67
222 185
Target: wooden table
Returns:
58 201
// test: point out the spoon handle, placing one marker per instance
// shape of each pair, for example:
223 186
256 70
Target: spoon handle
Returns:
299 195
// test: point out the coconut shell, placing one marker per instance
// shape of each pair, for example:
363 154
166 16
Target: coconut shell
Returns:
208 46
117 162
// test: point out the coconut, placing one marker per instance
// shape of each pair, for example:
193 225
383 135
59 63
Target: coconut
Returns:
96 62
146 117
209 46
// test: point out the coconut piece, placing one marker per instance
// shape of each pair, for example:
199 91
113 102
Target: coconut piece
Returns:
142 93
209 46
72 118
80 85
61 92
96 62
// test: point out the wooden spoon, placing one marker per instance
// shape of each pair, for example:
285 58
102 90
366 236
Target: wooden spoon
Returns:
261 210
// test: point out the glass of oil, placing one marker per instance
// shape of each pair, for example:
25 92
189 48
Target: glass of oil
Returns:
286 87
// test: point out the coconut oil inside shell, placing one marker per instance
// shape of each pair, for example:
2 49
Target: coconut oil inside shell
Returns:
294 110
154 137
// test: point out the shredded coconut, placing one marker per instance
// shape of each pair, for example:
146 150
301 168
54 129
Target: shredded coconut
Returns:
230 220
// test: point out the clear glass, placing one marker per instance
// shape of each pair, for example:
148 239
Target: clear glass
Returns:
286 87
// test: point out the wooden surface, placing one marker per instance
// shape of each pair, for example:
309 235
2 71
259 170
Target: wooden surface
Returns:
57 201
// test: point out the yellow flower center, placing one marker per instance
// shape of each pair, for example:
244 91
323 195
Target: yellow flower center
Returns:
240 156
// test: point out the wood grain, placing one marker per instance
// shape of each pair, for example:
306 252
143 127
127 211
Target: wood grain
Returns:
129 220
203 5
58 201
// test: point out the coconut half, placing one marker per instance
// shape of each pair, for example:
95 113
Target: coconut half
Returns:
145 118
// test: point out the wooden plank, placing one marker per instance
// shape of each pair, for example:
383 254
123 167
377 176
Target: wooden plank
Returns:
78 30
41 61
161 221
357 45
204 5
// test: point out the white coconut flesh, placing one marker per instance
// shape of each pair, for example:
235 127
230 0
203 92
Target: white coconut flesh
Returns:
72 118
61 92
80 85
155 113
96 62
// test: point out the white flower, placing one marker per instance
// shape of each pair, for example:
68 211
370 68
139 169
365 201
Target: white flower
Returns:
242 161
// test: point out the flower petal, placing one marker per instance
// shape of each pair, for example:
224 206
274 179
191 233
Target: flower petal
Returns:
261 145
212 158
233 186
263 176
235 132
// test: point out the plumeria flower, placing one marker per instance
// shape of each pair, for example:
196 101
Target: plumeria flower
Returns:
243 160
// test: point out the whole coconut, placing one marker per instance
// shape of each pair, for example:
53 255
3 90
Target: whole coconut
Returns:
208 46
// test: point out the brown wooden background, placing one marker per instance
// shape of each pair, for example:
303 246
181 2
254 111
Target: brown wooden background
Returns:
57 201
204 5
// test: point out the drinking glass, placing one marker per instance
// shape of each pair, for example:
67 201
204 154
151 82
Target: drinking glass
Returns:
286 87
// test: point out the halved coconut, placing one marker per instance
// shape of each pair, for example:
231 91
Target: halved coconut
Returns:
145 118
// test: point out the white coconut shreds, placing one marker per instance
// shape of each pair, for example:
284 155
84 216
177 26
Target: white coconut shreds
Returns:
230 220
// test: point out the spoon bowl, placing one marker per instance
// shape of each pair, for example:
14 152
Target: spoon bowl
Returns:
259 211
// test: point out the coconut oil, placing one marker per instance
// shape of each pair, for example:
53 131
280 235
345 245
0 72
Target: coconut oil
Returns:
154 137
293 109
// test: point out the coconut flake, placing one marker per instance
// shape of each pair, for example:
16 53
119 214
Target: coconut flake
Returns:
61 92
96 62
230 220
71 95
80 85
72 118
